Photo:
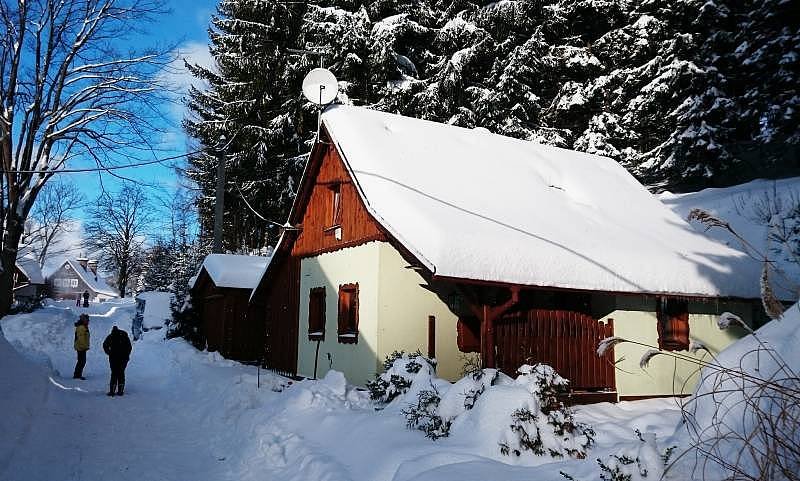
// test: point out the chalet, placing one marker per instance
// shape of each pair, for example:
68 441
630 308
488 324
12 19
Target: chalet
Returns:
414 235
29 283
75 277
221 293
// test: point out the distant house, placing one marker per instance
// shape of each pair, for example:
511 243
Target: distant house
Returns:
221 292
29 284
75 277
414 235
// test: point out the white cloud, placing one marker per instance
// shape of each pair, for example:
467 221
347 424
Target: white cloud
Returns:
177 76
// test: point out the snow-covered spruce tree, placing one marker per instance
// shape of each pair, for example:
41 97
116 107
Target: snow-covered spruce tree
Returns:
253 99
156 274
680 92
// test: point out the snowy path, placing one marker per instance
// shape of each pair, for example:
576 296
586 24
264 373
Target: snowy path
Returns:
189 415
151 433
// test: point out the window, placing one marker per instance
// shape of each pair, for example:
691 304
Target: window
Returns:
673 324
73 282
316 314
336 204
348 314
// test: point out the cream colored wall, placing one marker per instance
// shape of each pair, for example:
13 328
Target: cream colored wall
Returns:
351 265
636 321
404 307
393 314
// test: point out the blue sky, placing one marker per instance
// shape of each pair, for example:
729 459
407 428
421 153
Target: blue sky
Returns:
185 26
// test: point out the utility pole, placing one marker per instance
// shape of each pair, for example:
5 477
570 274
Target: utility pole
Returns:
219 201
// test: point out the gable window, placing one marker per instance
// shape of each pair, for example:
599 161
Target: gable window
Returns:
316 314
336 204
73 282
673 324
348 314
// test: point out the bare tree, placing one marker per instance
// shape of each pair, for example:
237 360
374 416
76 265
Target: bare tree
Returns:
67 93
53 214
116 230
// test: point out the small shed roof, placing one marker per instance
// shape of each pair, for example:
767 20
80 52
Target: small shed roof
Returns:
231 270
473 205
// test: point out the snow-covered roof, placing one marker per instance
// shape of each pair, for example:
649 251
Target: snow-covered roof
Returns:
96 283
231 270
473 205
29 266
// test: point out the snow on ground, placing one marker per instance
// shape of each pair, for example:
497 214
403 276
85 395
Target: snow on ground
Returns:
157 309
754 210
193 415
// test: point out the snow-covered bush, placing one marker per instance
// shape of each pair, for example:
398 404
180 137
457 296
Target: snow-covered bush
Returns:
638 462
520 415
425 417
434 412
185 323
545 426
399 371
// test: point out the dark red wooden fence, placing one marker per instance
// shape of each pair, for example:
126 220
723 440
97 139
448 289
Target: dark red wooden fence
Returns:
566 340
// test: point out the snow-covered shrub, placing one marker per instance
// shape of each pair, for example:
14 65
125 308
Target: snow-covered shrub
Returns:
638 462
185 323
521 415
545 426
400 370
434 411
424 415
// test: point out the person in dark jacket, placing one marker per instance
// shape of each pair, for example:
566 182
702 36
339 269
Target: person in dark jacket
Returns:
118 347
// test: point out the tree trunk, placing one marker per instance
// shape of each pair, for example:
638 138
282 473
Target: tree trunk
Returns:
8 258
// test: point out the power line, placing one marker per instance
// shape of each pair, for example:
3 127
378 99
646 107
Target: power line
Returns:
241 194
101 169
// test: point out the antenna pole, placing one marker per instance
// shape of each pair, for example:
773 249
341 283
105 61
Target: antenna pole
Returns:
219 201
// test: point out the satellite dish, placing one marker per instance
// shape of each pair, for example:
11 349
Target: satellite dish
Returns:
320 86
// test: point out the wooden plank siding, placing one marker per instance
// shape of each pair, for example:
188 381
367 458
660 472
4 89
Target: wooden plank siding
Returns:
566 340
317 216
276 302
227 326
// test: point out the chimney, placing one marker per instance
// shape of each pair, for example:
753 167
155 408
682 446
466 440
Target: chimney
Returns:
93 267
83 261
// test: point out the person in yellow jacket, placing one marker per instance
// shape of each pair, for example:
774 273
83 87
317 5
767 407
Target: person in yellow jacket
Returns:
81 345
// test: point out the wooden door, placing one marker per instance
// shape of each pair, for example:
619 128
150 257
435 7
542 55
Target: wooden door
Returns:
281 324
228 327
566 340
213 320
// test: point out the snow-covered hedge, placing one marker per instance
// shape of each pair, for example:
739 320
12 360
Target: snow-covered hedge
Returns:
520 415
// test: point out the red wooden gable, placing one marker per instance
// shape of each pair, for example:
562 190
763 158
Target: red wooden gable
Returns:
332 214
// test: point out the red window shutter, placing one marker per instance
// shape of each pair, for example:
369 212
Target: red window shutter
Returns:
348 314
316 314
469 337
673 324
